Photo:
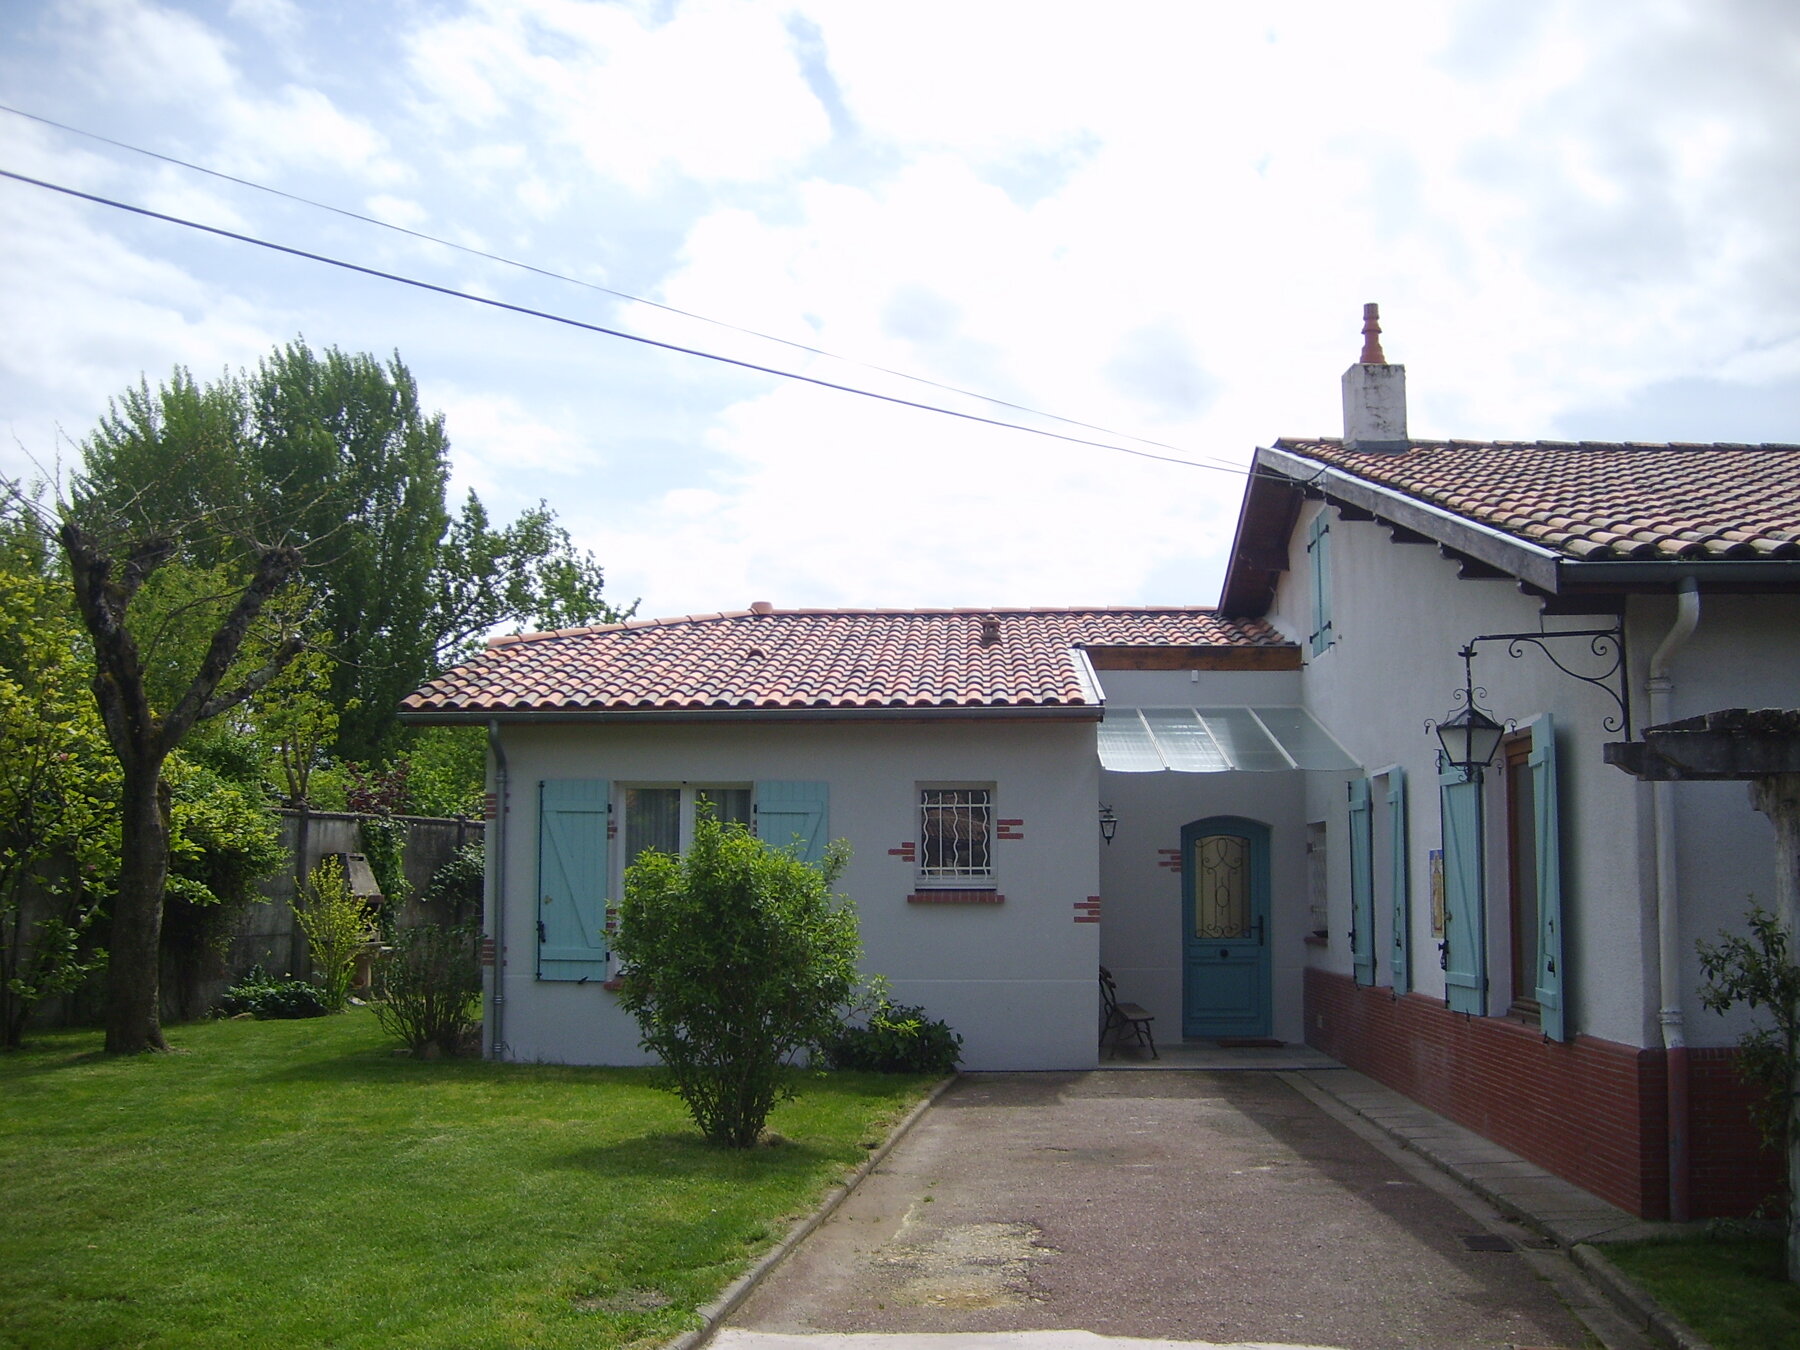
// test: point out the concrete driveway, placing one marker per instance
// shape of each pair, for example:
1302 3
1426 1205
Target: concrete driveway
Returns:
1213 1207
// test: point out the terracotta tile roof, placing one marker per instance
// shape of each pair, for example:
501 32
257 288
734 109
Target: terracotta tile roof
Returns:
1601 501
817 658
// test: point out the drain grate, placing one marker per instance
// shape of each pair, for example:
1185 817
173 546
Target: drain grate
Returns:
1488 1242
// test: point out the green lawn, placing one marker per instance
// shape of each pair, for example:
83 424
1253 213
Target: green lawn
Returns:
296 1183
1730 1291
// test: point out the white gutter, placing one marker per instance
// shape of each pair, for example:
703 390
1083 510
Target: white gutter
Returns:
1668 904
496 883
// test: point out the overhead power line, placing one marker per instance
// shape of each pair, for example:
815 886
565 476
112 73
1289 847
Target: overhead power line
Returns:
592 285
601 329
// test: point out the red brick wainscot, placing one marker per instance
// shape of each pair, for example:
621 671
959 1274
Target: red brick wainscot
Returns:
1594 1112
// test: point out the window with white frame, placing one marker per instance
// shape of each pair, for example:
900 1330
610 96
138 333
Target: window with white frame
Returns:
662 818
956 836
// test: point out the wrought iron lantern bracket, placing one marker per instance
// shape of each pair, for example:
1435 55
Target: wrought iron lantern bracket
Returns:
1605 644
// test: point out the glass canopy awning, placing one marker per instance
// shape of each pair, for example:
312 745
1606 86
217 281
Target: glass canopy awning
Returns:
1216 740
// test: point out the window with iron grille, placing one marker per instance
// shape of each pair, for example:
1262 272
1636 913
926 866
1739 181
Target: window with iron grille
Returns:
956 834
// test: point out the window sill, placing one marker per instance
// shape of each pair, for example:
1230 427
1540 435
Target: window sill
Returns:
956 898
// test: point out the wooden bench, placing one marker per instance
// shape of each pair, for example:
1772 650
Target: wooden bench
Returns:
1123 1019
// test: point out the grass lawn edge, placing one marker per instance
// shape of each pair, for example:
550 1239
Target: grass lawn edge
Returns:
1633 1298
511 1200
712 1315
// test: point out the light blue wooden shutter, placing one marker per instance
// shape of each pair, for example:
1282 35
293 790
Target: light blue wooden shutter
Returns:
1465 965
1550 983
1318 549
1400 881
572 879
793 814
1362 883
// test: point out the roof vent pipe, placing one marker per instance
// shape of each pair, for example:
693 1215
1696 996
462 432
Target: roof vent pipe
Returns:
761 607
1374 395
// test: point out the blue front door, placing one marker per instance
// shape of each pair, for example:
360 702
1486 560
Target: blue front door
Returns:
1225 923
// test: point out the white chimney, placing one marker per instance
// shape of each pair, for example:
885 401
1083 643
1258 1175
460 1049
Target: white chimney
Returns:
1374 394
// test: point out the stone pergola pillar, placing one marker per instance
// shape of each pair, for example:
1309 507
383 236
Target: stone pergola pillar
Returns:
1760 747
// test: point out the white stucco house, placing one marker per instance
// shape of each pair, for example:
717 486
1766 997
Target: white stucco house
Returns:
1289 858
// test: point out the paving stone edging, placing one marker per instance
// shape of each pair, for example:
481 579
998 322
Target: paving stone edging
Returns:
1632 1298
713 1314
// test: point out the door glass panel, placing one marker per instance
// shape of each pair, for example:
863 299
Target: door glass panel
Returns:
1221 887
652 820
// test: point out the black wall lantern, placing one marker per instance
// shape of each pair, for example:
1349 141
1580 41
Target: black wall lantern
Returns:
1109 823
1469 735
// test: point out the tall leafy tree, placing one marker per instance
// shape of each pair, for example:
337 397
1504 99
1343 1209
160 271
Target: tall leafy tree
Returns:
333 453
58 839
197 505
342 440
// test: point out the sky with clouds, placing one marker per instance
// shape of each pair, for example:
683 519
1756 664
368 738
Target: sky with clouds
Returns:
1158 219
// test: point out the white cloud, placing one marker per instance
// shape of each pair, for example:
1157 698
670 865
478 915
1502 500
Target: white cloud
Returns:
400 211
850 503
88 315
494 438
1162 219
278 19
713 94
144 54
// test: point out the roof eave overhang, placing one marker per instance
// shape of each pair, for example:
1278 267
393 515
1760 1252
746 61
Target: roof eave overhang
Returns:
1540 569
1532 564
1258 557
683 716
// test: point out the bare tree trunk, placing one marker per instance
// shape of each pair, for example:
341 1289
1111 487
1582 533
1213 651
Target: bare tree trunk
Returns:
142 740
133 1020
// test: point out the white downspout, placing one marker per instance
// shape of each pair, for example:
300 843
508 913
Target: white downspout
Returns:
497 893
1668 906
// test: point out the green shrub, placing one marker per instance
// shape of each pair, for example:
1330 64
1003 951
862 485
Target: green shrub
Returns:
457 883
264 996
896 1038
1760 971
430 983
739 957
337 926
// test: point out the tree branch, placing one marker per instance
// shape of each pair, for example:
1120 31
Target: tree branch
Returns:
274 569
291 647
118 666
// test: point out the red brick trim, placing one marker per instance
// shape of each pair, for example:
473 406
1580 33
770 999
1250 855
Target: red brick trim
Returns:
1169 858
1088 910
956 898
906 852
612 986
1009 829
487 951
1594 1112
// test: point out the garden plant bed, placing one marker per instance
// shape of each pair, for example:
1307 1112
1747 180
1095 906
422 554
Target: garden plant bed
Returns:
298 1183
